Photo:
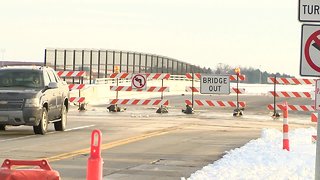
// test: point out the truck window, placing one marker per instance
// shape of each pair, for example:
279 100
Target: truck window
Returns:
20 78
51 76
56 76
46 78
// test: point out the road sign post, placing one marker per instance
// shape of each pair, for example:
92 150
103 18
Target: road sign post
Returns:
317 108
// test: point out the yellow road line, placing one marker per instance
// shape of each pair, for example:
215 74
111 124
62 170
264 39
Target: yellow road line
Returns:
115 143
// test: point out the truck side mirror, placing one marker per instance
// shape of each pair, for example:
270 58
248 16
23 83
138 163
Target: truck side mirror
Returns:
53 85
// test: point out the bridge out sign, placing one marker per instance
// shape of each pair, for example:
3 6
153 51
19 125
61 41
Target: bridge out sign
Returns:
309 10
215 84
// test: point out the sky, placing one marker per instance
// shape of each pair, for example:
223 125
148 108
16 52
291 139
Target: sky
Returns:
247 33
264 158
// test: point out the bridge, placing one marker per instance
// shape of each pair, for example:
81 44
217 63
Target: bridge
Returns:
100 63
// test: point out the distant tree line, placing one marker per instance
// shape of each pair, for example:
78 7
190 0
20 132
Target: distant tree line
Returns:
252 75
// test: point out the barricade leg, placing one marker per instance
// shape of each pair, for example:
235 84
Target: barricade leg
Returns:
238 111
162 109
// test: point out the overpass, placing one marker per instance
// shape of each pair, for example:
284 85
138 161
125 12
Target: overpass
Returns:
99 63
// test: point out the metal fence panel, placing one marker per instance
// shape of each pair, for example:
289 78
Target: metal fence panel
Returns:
101 63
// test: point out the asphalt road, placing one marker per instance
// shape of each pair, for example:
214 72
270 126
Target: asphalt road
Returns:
140 144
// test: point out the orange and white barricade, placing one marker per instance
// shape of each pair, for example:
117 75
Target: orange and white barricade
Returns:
296 81
232 90
149 76
232 77
308 108
73 87
71 73
77 99
154 102
153 76
290 94
76 86
148 89
211 103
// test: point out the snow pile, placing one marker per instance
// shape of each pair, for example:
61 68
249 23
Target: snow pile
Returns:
264 158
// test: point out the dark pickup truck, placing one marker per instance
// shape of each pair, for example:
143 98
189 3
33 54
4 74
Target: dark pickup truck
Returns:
33 96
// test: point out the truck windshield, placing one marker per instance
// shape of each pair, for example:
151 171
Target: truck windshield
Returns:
21 78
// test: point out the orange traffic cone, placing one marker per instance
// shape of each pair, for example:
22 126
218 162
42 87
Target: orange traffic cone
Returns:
94 168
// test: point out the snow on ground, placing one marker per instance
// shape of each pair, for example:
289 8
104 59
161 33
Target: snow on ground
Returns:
264 158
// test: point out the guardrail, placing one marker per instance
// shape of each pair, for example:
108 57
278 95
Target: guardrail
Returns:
113 80
110 81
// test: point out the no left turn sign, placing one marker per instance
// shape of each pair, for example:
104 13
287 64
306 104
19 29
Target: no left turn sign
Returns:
139 81
310 50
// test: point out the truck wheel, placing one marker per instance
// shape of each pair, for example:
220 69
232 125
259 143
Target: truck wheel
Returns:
42 128
61 125
2 127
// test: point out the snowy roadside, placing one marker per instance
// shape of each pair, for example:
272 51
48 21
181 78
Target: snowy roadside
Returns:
264 158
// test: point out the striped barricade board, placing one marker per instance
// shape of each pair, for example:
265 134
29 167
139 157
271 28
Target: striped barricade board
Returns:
314 117
215 103
196 75
77 99
232 77
293 107
192 89
291 94
314 139
71 73
76 86
293 81
121 75
153 76
139 102
148 89
158 76
232 90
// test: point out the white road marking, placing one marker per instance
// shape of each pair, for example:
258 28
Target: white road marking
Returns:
53 132
81 127
11 139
